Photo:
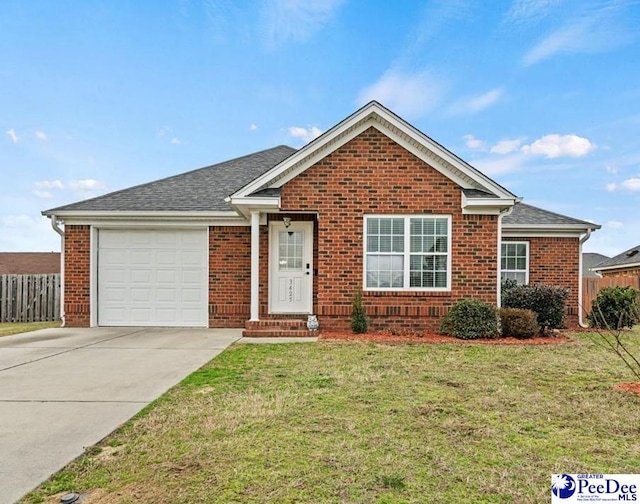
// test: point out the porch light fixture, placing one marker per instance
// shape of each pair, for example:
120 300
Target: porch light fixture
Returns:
287 222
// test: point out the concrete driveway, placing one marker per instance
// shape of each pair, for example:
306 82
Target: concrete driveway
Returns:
62 390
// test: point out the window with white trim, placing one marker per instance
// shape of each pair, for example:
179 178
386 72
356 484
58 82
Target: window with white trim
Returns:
407 252
514 262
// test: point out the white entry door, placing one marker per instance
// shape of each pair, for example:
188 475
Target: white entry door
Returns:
291 267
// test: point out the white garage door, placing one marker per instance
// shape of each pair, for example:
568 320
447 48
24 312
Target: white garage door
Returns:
152 278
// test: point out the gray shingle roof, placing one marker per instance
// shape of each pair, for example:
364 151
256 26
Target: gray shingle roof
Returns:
631 256
589 261
203 189
527 215
477 193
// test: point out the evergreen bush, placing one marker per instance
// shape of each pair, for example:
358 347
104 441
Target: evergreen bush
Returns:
471 319
359 322
615 308
518 323
547 301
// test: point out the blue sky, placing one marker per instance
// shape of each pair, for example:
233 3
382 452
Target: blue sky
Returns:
541 95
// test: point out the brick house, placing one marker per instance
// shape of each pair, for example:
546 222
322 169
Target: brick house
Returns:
29 263
373 204
625 264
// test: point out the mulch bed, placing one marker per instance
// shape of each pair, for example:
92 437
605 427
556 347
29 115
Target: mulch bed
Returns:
386 337
631 387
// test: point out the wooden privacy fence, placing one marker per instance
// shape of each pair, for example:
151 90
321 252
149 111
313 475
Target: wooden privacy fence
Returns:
29 298
591 287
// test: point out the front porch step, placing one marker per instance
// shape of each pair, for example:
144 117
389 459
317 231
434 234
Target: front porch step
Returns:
277 328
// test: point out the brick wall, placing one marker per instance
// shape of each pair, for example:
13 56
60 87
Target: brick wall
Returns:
371 174
554 261
230 276
77 274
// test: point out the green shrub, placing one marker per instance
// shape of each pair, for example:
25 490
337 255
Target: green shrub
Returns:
359 322
547 301
615 308
471 319
518 323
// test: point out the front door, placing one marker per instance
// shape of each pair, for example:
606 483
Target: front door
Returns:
291 267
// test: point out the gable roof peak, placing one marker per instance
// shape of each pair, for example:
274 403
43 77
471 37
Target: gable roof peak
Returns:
390 124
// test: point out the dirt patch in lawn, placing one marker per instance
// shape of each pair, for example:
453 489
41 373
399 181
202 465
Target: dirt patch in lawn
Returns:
631 387
387 337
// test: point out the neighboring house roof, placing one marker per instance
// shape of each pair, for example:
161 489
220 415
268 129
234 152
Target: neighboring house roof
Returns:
589 261
627 260
204 189
527 215
27 263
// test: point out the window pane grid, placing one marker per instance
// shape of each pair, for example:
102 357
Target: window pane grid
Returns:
290 250
385 235
423 254
513 262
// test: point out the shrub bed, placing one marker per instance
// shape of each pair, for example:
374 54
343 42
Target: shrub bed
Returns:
518 323
615 308
548 302
471 319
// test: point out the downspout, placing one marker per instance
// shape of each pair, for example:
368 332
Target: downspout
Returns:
56 227
582 240
501 215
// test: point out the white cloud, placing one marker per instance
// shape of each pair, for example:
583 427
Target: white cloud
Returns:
409 95
296 20
74 185
305 134
496 166
175 141
506 146
12 135
631 184
42 194
253 127
529 10
41 135
473 143
85 184
614 224
163 130
49 184
22 233
611 169
475 104
611 186
566 40
553 146
594 30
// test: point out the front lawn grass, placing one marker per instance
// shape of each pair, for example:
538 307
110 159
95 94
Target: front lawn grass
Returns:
9 328
370 423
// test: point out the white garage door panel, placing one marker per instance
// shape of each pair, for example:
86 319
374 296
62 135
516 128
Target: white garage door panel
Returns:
152 278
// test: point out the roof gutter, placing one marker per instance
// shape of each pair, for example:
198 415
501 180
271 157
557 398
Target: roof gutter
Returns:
580 266
55 224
